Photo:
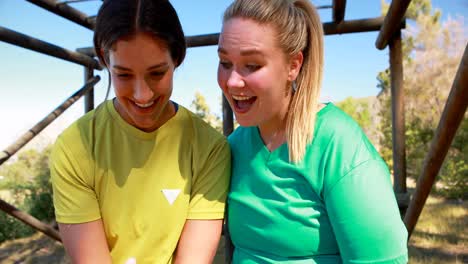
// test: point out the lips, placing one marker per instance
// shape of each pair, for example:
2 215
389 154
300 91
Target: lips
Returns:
145 105
242 104
144 108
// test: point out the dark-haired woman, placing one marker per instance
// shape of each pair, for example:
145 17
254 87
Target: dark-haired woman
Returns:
140 179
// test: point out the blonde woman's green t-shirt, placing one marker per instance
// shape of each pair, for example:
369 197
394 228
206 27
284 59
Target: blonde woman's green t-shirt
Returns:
335 206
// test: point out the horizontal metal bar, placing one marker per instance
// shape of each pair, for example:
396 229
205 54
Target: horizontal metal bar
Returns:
28 136
29 220
66 11
27 42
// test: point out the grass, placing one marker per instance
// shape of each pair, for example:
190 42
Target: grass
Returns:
441 236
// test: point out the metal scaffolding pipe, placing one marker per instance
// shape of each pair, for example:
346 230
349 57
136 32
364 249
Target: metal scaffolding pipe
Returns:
29 220
454 112
27 42
392 22
28 136
66 11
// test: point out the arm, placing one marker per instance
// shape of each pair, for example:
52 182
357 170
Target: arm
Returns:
85 243
365 218
76 205
199 241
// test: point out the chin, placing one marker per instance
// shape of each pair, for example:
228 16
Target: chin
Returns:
245 122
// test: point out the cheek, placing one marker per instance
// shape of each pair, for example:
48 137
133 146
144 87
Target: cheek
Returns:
221 77
120 87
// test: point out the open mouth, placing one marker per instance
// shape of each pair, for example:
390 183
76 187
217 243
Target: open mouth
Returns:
242 104
146 107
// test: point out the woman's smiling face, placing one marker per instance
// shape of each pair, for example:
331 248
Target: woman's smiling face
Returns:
142 74
254 73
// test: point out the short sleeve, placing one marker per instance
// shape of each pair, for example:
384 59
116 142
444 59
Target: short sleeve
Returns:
365 218
211 182
74 198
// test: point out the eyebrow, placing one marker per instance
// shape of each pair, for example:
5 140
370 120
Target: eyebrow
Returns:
156 66
243 52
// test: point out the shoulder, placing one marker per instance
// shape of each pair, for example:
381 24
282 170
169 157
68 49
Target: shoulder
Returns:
338 130
332 121
81 131
341 143
77 140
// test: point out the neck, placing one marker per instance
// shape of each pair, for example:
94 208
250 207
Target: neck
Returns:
273 132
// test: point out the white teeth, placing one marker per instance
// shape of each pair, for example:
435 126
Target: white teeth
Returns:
145 105
241 98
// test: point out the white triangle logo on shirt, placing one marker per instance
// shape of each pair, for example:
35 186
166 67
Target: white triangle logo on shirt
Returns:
171 194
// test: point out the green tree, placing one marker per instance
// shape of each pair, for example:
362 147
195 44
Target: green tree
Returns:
28 181
431 54
202 110
363 111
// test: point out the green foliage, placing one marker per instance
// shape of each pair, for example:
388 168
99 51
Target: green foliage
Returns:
454 173
431 55
202 110
11 228
28 181
357 109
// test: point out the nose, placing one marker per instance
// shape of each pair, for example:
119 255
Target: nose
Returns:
235 80
142 92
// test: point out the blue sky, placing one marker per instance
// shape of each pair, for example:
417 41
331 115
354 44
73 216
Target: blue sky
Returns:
33 84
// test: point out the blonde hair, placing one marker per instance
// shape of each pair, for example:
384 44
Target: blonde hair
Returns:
299 30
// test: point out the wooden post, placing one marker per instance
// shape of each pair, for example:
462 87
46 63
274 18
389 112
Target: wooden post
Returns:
66 11
395 16
398 123
27 42
31 133
228 120
89 96
29 220
454 112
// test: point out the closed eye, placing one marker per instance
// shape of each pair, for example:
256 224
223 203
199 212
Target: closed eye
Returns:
124 75
225 64
157 74
253 67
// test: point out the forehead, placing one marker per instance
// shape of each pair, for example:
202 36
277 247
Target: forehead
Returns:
139 40
141 48
239 34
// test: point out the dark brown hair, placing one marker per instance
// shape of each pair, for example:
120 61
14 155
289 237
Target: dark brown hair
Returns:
119 19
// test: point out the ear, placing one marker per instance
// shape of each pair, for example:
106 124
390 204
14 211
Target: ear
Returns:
295 65
102 55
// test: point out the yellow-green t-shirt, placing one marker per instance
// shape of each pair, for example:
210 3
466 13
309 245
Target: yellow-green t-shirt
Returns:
143 186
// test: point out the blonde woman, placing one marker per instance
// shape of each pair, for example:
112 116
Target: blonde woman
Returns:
307 186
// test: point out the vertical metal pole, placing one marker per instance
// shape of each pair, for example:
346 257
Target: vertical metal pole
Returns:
228 120
89 96
398 122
